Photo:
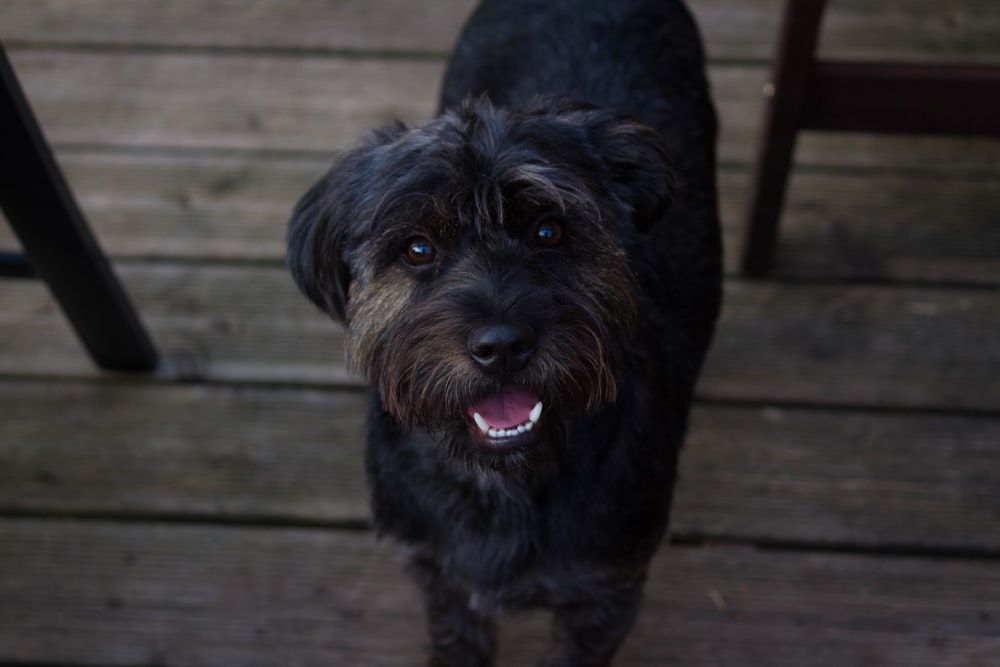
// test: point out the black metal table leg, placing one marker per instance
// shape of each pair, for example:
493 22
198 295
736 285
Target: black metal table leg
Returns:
54 234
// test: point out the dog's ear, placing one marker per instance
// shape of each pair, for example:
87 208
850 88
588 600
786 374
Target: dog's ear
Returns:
323 221
638 166
316 234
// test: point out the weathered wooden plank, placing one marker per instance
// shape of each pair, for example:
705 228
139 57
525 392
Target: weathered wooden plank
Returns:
231 101
244 324
874 346
823 344
921 31
245 454
841 478
367 26
96 593
210 322
953 30
910 226
190 205
932 225
223 452
254 102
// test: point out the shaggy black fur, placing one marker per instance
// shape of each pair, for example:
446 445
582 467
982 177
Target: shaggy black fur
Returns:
551 235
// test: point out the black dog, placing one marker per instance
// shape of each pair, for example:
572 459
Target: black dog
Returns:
530 282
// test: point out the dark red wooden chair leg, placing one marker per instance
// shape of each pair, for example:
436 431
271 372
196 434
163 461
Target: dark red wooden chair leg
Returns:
786 93
811 94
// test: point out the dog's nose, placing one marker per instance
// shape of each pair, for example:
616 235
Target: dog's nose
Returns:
502 348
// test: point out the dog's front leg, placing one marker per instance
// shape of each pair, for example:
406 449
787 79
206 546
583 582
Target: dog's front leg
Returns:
587 634
460 636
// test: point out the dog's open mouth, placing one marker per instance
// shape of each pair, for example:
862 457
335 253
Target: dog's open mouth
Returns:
506 419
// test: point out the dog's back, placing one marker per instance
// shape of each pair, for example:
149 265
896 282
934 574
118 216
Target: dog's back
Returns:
641 57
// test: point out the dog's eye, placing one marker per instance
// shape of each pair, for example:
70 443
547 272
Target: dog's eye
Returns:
549 233
419 252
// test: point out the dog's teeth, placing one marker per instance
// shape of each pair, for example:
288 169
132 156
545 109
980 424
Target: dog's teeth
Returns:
520 429
481 423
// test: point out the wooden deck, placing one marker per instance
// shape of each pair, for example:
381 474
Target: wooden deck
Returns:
840 500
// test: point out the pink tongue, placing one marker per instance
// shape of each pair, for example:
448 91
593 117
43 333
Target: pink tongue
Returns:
507 408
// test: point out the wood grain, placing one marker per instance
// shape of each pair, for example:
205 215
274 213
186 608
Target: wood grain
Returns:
191 451
802 343
862 346
842 479
155 594
244 102
964 30
245 454
311 103
930 225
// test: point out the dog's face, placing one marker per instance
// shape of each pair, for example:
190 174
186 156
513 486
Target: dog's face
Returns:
479 264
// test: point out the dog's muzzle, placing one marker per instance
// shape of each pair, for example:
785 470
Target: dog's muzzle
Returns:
508 418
